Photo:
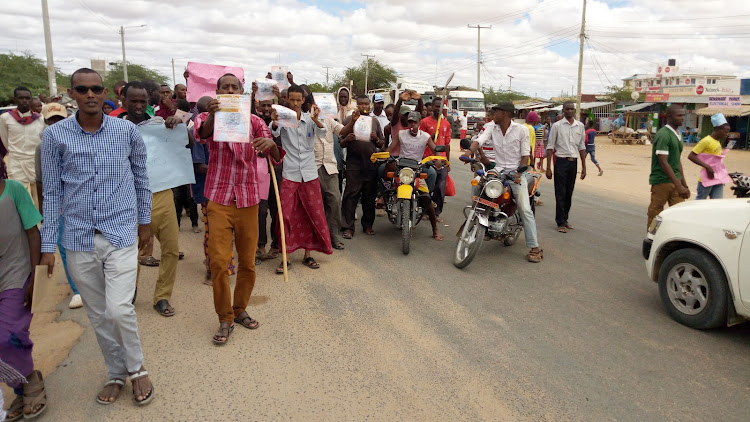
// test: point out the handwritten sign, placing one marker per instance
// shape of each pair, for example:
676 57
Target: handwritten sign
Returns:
326 102
725 101
286 116
203 78
169 164
278 73
264 89
363 128
232 121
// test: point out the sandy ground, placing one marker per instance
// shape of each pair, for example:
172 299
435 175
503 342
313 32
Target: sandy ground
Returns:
347 325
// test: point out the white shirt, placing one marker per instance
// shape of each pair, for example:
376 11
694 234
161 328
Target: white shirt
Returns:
413 146
567 139
508 147
21 142
488 150
382 119
299 161
324 146
464 122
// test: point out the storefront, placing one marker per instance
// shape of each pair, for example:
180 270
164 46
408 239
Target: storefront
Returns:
737 117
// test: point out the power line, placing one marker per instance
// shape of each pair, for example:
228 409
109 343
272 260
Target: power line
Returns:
98 16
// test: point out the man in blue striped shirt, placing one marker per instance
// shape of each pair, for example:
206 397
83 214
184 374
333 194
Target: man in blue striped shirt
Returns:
94 170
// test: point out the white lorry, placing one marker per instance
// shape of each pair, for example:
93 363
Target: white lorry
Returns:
470 101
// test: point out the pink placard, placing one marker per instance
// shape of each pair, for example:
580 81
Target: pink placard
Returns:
203 77
716 162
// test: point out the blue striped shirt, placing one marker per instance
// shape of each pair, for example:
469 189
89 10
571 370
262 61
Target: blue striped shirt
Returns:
99 182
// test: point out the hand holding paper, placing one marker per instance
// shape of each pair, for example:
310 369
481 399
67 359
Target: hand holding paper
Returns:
327 104
263 89
285 117
720 174
363 128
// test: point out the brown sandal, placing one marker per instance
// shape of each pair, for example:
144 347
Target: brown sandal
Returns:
34 395
225 330
15 409
246 321
535 256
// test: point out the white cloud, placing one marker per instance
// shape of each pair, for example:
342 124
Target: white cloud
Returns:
533 40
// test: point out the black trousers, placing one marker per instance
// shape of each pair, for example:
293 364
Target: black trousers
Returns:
565 180
183 199
438 194
266 207
359 184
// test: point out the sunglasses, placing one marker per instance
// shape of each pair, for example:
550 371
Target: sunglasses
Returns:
96 89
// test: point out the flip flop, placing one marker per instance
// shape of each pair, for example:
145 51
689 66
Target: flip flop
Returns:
113 381
311 263
150 396
164 308
280 268
149 262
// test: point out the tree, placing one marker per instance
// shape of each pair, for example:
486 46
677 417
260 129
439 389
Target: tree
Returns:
380 76
495 97
318 87
619 94
136 72
25 70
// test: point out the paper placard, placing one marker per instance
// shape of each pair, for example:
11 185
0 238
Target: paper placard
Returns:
363 128
168 164
721 176
232 121
326 102
203 78
265 89
183 115
45 289
286 116
278 73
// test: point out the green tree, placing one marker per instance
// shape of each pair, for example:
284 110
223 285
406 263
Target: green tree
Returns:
25 70
318 87
491 96
619 94
380 76
136 72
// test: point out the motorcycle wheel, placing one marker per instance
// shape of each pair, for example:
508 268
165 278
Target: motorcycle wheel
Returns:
469 242
405 226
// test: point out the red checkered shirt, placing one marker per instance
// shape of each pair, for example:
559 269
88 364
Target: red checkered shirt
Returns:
232 173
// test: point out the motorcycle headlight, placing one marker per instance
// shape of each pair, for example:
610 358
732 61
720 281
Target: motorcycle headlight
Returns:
406 175
493 189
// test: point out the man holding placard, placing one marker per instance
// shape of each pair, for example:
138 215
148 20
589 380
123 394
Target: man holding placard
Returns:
301 202
232 193
361 174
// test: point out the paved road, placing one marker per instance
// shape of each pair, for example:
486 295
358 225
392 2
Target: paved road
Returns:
375 335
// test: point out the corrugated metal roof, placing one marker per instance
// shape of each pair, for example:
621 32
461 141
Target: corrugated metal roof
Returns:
586 106
635 107
527 106
726 111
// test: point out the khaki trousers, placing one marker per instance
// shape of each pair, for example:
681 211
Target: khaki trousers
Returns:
662 194
165 230
242 224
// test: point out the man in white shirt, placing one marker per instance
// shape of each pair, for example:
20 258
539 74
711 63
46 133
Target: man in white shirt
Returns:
567 141
464 121
378 111
21 132
512 147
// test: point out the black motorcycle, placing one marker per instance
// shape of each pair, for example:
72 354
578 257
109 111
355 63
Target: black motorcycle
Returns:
741 186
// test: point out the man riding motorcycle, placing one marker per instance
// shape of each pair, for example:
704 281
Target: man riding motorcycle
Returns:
512 148
412 143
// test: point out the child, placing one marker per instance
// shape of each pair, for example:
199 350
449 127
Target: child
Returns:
20 250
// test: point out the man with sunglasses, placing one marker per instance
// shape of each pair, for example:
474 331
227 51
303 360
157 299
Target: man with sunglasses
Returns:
96 165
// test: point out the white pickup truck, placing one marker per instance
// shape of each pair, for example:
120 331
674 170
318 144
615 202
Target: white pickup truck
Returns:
699 254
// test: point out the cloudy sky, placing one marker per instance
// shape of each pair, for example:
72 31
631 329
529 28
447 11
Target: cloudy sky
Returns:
535 41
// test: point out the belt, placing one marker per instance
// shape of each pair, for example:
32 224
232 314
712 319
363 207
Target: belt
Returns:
96 231
568 158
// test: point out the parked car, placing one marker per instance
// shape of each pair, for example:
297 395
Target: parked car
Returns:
699 254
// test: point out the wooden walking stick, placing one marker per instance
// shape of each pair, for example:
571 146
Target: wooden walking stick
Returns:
281 217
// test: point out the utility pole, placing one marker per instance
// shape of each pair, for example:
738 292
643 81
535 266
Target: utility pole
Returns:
174 77
580 60
367 69
510 83
479 52
122 40
326 68
51 79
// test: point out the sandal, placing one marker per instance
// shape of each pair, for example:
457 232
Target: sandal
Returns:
149 262
348 234
311 263
34 396
338 245
562 229
369 231
114 381
146 400
569 227
164 308
225 329
535 256
280 268
273 253
438 236
15 409
246 321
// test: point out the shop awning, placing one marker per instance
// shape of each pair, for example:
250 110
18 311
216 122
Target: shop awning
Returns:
634 107
526 106
584 106
726 111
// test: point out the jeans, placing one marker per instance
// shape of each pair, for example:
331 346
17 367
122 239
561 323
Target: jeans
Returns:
521 196
591 151
183 199
713 192
438 194
63 256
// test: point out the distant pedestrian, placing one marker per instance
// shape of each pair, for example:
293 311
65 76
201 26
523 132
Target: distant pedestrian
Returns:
591 145
667 180
567 141
711 146
463 121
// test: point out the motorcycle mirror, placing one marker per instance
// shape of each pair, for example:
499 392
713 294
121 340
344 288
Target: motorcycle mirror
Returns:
440 148
465 143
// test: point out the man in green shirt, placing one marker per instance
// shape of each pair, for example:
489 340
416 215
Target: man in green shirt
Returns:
667 182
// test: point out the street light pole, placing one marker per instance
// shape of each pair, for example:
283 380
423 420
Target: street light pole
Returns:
479 52
174 77
124 60
51 79
510 83
367 69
